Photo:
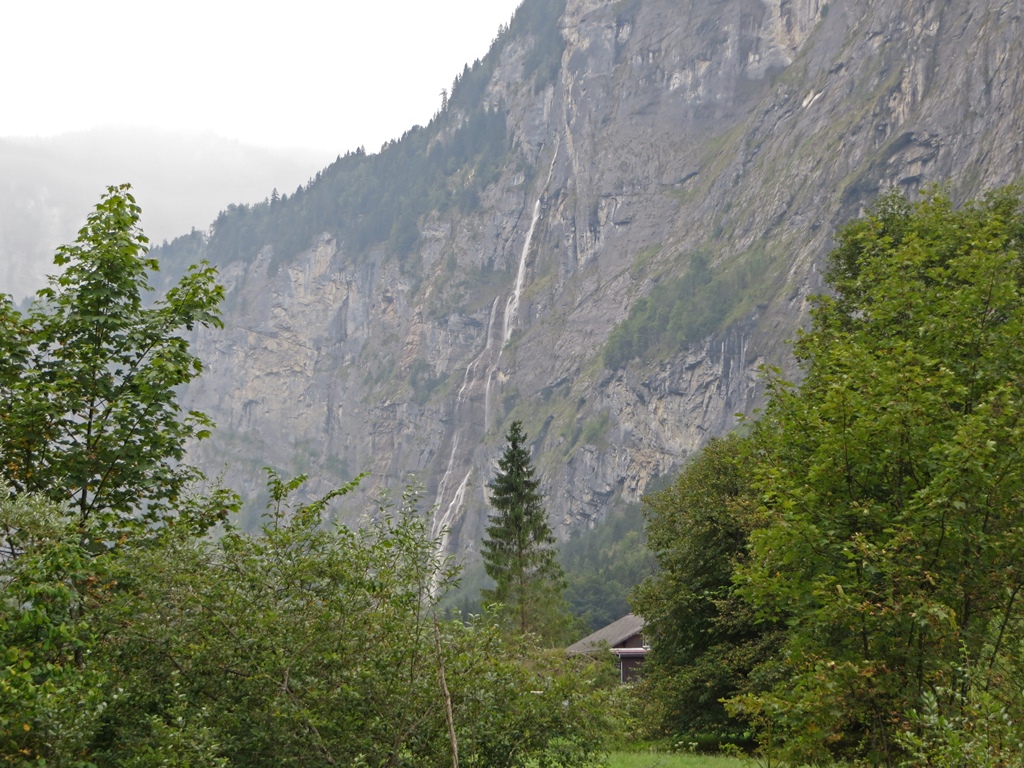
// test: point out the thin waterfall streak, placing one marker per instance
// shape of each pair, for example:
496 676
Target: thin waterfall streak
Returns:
512 307
467 380
443 485
465 383
441 531
505 332
487 401
443 521
471 368
513 303
554 159
490 323
441 525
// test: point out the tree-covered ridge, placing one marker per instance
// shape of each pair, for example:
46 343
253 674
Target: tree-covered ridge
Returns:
379 199
370 200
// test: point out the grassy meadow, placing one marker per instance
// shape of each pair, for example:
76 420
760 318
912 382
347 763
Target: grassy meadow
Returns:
667 760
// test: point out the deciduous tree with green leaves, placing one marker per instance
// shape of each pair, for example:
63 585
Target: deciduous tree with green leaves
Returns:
91 446
89 377
51 694
519 552
893 476
705 639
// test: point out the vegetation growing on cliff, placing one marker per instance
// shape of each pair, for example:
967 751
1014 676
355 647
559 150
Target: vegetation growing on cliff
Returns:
682 310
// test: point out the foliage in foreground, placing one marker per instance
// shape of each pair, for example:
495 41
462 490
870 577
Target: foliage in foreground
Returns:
707 641
887 491
894 478
51 695
299 645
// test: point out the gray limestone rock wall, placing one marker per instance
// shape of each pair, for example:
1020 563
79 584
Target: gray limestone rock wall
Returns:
742 132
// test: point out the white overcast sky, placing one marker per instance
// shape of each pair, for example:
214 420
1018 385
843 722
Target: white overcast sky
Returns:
329 75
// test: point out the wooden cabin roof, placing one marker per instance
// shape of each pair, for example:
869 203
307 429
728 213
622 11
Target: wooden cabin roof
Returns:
611 636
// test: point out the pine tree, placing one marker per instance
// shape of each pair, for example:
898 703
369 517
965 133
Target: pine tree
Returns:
519 552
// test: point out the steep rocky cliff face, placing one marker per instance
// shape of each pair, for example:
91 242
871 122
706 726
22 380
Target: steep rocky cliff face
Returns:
666 191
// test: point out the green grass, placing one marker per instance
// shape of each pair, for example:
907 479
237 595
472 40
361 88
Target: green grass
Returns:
665 760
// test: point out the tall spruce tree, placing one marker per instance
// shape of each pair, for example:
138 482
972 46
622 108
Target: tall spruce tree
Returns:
519 552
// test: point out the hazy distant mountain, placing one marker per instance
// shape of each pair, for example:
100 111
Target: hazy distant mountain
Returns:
48 186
